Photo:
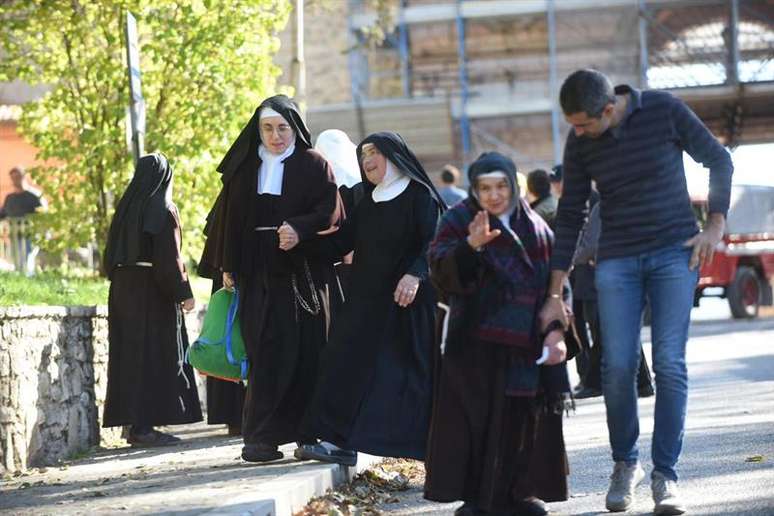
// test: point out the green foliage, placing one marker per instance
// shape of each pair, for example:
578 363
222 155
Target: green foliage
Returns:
52 288
206 64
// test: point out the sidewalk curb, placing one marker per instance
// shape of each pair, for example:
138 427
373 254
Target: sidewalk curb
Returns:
288 493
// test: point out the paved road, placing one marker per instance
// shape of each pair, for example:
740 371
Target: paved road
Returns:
730 421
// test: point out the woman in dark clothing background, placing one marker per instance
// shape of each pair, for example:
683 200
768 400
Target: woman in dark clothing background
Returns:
149 383
375 386
277 192
496 438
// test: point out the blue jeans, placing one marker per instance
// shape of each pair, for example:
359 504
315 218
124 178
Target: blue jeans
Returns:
622 284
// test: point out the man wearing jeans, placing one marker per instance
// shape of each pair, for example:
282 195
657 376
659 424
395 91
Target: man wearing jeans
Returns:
631 143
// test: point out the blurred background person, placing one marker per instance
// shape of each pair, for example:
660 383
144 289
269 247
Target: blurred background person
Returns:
19 204
540 197
450 192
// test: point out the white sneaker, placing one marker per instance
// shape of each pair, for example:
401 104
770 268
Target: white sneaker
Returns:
624 479
666 496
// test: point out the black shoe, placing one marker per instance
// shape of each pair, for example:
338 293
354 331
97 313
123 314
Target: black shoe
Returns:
588 392
260 453
646 391
467 509
531 507
151 439
323 454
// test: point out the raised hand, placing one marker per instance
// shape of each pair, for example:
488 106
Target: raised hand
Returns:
479 233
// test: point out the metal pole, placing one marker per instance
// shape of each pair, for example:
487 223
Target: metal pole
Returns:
136 101
553 82
405 64
733 44
355 74
643 27
463 75
298 65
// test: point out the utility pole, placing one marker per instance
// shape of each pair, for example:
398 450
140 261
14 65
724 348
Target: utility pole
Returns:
298 64
136 101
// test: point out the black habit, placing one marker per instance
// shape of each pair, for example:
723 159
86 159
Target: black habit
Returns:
283 294
149 384
374 391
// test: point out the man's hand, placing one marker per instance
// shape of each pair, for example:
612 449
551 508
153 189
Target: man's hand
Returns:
288 238
479 230
406 290
557 349
705 242
189 304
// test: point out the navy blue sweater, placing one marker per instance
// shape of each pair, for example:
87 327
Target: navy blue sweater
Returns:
638 168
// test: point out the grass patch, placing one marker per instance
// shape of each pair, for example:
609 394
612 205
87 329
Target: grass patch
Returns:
59 289
52 288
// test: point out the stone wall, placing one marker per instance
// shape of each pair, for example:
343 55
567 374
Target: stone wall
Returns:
53 381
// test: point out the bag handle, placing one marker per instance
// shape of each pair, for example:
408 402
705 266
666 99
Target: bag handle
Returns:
232 313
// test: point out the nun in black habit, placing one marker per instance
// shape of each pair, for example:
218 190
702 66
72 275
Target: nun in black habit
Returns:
375 385
496 437
276 192
149 383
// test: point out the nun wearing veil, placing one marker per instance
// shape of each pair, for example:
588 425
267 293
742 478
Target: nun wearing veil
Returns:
277 192
149 383
496 437
375 385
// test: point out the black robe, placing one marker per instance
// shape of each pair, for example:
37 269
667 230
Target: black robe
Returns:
146 384
282 338
374 391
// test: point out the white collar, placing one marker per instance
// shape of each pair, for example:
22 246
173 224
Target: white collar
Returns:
272 170
392 185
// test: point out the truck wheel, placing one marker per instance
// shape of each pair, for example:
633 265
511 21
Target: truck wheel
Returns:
744 294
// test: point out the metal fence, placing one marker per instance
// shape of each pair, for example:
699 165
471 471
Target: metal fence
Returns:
17 251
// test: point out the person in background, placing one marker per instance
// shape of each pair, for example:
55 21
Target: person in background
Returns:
540 197
450 192
18 205
149 382
556 181
585 293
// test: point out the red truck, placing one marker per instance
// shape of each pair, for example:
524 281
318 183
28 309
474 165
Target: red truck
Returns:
743 266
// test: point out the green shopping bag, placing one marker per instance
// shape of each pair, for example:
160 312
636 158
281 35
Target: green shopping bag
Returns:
220 350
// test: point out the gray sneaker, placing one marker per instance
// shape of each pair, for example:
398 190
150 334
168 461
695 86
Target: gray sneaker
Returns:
624 479
666 496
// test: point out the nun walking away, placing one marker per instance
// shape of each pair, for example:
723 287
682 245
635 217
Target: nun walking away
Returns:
276 192
374 390
496 439
149 383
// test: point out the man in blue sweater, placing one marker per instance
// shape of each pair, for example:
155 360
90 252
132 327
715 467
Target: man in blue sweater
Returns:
631 144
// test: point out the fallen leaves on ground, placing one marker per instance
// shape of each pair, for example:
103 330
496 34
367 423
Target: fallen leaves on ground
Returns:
375 486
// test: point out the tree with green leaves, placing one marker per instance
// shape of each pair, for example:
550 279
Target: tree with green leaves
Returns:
206 64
